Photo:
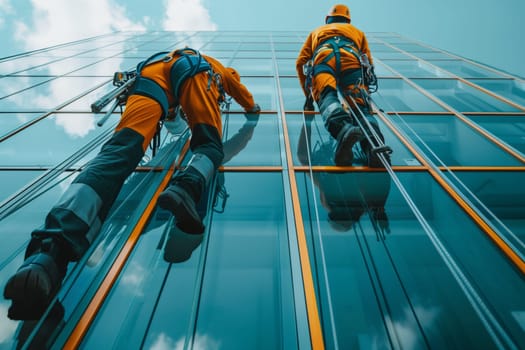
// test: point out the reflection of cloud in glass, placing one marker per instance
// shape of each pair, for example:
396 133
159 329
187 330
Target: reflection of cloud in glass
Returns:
7 327
78 125
164 342
56 22
406 332
133 279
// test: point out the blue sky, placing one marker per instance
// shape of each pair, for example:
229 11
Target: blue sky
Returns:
487 31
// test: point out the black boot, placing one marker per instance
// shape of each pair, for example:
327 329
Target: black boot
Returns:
348 136
180 199
339 124
32 288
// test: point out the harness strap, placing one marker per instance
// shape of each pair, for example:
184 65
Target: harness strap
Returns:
149 88
335 44
188 65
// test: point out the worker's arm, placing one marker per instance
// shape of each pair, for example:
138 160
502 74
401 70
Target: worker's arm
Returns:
239 92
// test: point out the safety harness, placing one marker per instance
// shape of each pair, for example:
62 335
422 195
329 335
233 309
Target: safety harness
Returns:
189 63
335 44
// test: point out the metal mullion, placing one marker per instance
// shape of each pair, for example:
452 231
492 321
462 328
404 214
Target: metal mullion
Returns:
299 241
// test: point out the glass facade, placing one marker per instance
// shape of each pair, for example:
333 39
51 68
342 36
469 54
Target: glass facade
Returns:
298 253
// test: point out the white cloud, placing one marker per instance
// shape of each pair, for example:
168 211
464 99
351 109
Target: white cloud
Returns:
187 15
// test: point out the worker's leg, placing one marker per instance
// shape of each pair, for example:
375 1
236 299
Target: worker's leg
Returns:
73 222
336 120
352 85
200 106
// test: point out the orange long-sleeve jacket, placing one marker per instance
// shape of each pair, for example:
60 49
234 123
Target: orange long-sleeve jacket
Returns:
320 34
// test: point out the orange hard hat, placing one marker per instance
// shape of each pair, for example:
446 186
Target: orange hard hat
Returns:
339 10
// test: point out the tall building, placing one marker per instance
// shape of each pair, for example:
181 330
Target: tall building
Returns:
297 253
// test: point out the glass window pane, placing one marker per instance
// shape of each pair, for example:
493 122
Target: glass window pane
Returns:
263 91
510 129
435 55
64 134
49 94
11 121
451 141
258 67
464 98
242 246
364 240
415 69
293 95
21 64
510 89
398 95
498 191
390 55
465 69
286 67
251 141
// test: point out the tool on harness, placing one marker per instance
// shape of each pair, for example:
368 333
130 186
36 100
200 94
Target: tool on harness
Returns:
124 83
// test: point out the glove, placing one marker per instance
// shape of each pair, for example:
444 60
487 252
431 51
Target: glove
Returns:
255 109
309 104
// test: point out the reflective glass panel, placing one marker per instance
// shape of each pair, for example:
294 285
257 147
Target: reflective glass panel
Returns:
286 67
510 129
64 134
465 69
412 47
293 95
365 240
176 298
251 140
398 95
498 191
451 140
263 91
21 64
464 98
50 94
390 55
435 55
11 121
257 67
511 89
415 69
13 85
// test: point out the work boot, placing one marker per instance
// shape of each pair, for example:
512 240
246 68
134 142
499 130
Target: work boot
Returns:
32 288
180 203
373 157
346 139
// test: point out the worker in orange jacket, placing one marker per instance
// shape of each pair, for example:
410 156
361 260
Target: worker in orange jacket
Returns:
184 78
334 56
